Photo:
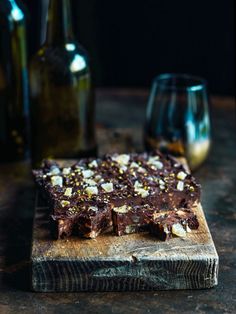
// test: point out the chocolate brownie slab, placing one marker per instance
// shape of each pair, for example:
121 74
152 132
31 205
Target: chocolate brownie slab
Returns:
117 180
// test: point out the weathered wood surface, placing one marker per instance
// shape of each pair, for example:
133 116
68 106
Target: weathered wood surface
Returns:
131 262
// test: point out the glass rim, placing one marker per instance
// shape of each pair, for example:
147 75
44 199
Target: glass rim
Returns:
197 83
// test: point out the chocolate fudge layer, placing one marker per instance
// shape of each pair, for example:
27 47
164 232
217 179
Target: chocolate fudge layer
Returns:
118 180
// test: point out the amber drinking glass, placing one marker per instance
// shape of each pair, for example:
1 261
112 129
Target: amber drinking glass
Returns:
177 118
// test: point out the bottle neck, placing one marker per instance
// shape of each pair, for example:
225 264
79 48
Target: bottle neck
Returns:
59 23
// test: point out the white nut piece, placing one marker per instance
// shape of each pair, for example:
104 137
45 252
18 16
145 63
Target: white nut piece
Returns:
91 190
68 192
153 158
122 209
90 182
138 188
181 175
180 186
87 173
66 171
122 159
141 170
53 171
134 165
123 168
108 187
153 161
137 184
57 180
143 193
93 164
178 230
64 203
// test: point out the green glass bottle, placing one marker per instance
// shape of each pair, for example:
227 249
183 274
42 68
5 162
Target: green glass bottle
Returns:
62 102
14 98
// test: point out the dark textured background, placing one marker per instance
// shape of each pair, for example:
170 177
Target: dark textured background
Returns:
130 41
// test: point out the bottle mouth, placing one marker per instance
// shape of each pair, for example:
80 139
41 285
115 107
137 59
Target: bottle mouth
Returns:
184 82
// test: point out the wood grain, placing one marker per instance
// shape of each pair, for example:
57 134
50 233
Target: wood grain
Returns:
127 263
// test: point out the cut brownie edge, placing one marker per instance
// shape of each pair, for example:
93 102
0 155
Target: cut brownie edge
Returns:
173 223
86 222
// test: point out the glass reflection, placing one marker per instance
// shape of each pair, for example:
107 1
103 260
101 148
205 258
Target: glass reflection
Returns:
177 119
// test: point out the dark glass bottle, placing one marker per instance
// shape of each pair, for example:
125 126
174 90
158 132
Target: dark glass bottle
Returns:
61 92
14 96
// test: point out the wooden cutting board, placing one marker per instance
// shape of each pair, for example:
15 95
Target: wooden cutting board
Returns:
131 262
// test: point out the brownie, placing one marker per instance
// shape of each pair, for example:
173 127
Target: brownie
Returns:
173 223
137 181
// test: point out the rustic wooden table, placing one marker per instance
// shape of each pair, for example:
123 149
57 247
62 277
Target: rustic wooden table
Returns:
120 115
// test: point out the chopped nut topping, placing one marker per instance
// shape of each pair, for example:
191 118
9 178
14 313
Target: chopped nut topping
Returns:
143 193
161 182
153 161
122 209
123 168
93 164
141 170
66 171
122 159
65 203
134 165
68 192
54 171
87 173
181 175
108 187
90 182
78 169
57 180
180 186
137 184
138 188
91 190
178 230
